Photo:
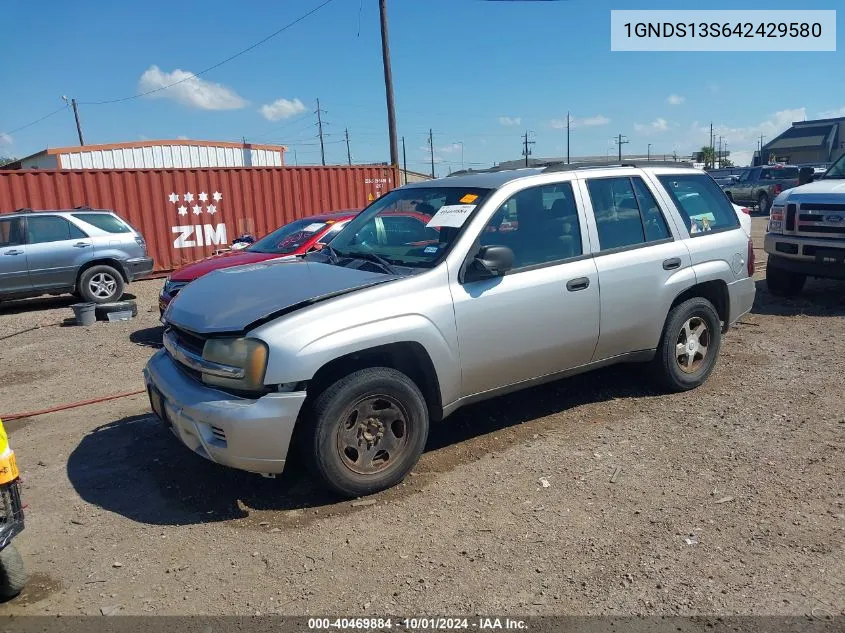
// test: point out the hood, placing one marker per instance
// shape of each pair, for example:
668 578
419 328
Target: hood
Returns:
224 260
233 299
823 188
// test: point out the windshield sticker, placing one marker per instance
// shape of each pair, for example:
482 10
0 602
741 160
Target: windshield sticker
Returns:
469 198
313 228
453 215
431 249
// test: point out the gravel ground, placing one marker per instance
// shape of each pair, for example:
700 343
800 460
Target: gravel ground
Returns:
730 499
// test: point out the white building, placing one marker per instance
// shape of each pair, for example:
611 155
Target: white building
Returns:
155 155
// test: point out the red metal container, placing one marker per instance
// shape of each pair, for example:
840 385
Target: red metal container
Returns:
187 214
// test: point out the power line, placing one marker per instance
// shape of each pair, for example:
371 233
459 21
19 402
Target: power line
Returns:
31 123
217 65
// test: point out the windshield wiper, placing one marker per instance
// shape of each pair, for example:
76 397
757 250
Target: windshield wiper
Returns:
372 257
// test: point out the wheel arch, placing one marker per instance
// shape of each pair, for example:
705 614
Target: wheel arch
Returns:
715 291
408 357
103 261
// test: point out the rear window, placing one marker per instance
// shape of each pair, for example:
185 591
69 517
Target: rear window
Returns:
790 173
104 221
703 205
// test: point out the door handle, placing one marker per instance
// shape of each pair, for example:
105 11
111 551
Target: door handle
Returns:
579 283
672 264
13 252
80 245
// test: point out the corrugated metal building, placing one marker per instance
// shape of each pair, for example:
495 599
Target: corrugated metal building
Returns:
187 214
805 142
178 154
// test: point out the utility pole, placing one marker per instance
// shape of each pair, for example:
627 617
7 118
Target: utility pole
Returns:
295 158
388 87
320 133
620 141
348 153
719 155
567 137
525 150
404 162
76 117
761 151
648 155
431 147
711 142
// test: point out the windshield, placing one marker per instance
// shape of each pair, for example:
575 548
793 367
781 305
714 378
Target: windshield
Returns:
837 170
288 238
410 227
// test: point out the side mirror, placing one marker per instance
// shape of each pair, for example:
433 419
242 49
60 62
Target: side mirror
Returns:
491 261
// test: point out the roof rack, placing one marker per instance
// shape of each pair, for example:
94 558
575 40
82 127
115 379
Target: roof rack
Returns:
488 170
558 166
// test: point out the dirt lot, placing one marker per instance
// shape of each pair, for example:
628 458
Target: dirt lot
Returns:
731 498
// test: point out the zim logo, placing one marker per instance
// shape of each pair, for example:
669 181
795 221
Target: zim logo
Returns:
197 203
833 219
202 234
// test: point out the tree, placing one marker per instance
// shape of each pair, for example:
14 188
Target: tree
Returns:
5 160
708 157
727 162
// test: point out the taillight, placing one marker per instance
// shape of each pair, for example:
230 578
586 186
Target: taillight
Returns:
750 258
778 188
746 210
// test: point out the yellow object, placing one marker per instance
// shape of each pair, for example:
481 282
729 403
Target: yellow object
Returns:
8 467
470 197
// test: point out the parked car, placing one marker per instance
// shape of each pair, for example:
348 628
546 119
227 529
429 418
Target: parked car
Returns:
296 238
806 233
760 185
354 350
88 252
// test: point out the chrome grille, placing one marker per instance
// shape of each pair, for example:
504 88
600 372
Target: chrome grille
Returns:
820 219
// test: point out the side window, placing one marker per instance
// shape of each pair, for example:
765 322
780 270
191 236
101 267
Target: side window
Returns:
703 205
616 211
653 220
76 233
766 174
47 228
11 232
540 225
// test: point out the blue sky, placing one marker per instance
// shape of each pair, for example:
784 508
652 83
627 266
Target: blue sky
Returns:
478 73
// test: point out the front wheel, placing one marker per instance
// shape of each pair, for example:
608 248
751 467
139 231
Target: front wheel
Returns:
783 283
689 345
12 572
367 431
100 284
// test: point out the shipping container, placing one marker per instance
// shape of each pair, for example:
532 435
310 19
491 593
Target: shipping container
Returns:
188 214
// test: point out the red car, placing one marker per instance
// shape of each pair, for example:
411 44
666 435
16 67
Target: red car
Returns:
296 238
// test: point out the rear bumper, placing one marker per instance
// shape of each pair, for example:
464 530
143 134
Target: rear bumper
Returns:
138 267
247 434
741 294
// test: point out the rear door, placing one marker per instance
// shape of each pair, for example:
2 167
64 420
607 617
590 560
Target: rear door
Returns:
14 274
641 259
55 250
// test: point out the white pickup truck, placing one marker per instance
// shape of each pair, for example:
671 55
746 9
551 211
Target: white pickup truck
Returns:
806 233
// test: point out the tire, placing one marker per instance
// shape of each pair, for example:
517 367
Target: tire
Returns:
352 454
100 284
13 574
783 283
763 203
730 196
673 367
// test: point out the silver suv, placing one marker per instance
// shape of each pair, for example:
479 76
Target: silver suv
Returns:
88 252
517 278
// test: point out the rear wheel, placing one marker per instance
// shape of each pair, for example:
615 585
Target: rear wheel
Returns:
367 431
763 203
783 283
12 572
100 284
689 345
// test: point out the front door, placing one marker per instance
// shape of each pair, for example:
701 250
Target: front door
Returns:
56 248
640 265
14 275
542 316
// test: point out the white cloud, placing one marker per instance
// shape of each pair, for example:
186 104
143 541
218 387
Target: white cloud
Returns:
590 121
6 140
448 149
281 109
510 120
658 125
832 114
192 91
675 99
181 137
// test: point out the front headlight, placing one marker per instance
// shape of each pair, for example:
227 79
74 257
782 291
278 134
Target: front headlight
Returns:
172 287
248 354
